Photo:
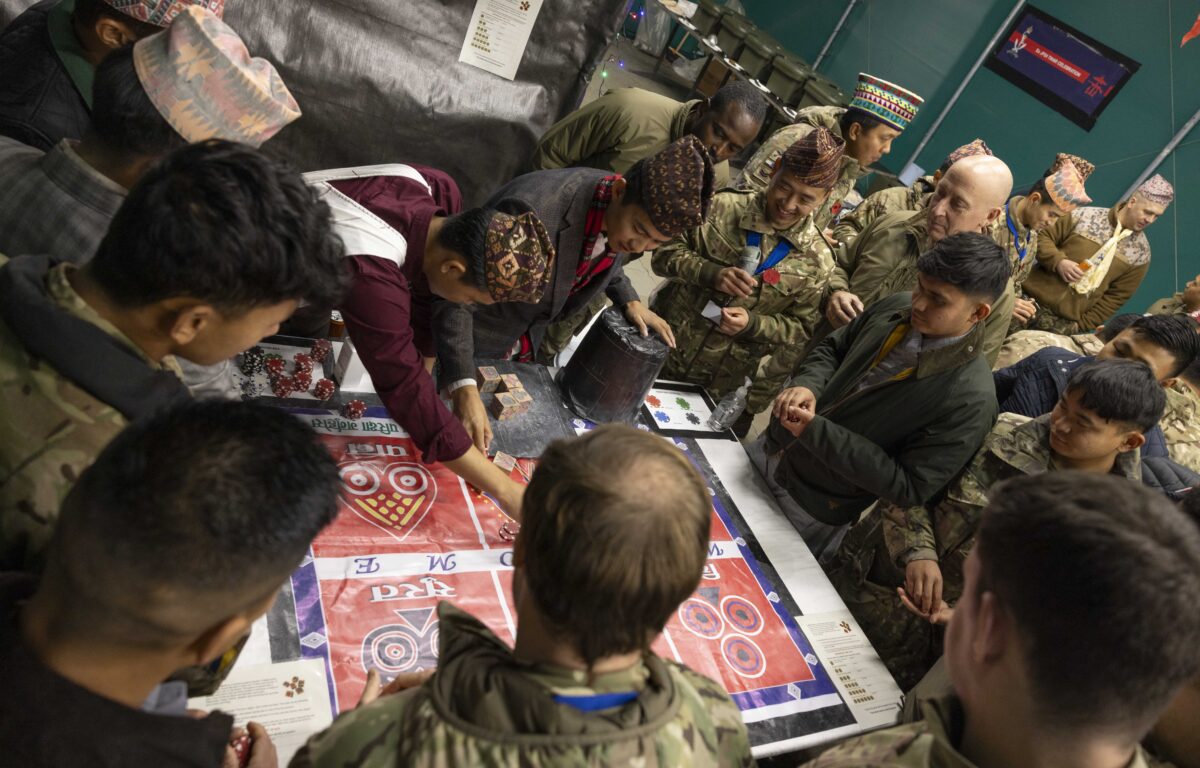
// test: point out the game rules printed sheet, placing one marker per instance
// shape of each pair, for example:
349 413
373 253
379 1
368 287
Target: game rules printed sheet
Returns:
409 535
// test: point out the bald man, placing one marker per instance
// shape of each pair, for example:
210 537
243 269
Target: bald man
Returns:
882 261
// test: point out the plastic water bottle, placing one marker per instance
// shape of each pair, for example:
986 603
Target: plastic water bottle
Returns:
730 408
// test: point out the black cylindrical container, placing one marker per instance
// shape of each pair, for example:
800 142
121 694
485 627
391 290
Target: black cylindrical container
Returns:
612 370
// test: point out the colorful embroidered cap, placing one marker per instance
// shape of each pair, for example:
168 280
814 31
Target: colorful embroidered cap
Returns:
161 13
1083 166
204 82
892 104
518 258
1157 190
972 149
1064 185
678 186
816 159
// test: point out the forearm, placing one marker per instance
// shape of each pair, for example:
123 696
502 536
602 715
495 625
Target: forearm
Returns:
678 261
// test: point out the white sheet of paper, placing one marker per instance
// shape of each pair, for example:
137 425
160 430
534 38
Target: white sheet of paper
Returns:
260 693
712 312
861 677
497 35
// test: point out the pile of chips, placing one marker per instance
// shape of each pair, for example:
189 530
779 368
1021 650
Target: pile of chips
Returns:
354 409
324 389
253 360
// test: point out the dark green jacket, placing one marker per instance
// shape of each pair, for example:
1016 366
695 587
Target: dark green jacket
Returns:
899 441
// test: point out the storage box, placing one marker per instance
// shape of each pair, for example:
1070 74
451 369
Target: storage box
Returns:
732 34
787 78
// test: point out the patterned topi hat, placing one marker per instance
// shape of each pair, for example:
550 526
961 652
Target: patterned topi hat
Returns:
204 82
886 101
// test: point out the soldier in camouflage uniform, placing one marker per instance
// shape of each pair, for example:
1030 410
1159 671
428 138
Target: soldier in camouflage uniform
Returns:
1060 562
540 704
776 307
878 114
883 260
892 546
1186 302
1055 195
1023 344
851 224
83 352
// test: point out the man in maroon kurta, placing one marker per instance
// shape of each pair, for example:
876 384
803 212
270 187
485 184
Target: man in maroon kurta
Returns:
409 241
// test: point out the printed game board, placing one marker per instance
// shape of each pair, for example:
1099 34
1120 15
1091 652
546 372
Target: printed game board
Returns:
409 535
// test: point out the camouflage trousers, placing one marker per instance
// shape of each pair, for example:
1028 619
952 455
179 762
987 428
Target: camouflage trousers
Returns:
907 644
1045 320
559 334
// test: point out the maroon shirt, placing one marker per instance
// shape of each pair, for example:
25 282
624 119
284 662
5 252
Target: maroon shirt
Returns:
388 311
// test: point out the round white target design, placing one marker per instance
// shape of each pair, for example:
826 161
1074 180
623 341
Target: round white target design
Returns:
408 480
391 650
360 479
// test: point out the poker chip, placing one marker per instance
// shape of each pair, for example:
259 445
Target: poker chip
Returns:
275 365
324 389
252 360
302 380
283 386
250 389
303 362
354 409
321 349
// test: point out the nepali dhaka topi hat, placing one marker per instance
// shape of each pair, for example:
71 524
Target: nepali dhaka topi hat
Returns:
204 82
888 102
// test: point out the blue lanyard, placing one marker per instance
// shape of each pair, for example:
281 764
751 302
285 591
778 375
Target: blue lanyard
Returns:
1021 249
596 702
777 253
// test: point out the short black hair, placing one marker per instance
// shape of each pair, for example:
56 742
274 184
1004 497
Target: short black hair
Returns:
1124 391
744 95
1095 571
123 117
88 12
465 233
969 261
1174 333
854 115
221 223
196 513
1115 325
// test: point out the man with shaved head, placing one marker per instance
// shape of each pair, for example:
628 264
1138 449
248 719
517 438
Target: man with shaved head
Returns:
882 261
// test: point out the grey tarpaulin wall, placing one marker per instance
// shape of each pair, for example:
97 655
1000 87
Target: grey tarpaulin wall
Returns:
379 81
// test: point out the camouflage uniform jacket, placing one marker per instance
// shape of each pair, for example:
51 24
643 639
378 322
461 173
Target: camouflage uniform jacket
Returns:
1021 344
50 431
930 743
782 313
1172 306
1181 425
758 170
945 531
880 204
883 261
1021 267
484 707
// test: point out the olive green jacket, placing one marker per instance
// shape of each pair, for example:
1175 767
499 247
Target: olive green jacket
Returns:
784 306
899 441
616 130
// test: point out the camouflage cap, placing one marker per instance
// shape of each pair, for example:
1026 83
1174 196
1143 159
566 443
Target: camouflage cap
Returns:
161 13
1064 186
518 258
1157 190
203 81
678 186
816 159
1082 166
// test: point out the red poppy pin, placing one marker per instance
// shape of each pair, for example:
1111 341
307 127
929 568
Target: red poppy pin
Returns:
771 276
